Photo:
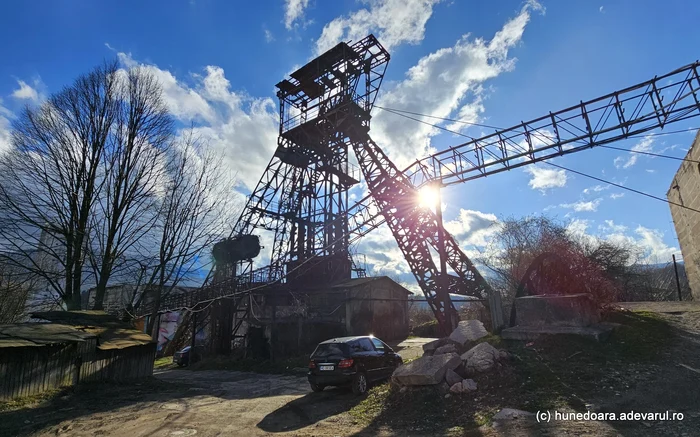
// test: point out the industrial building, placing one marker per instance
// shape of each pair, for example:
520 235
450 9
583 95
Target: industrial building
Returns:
684 195
284 323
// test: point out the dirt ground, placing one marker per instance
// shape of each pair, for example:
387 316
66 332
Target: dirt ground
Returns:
202 403
222 403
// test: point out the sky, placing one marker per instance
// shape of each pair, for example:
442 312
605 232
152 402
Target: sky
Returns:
497 63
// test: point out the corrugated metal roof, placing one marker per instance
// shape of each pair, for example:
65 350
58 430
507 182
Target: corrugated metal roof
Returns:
40 334
356 282
80 318
110 331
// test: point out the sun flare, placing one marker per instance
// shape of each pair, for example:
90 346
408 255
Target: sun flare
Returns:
428 197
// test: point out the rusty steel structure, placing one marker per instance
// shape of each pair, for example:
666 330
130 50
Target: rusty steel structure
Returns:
302 196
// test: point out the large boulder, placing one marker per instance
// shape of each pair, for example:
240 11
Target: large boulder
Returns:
468 331
452 378
430 347
428 370
481 358
446 349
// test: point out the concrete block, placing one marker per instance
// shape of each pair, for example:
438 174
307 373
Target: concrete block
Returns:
468 331
429 348
428 370
452 378
481 358
555 310
599 332
446 349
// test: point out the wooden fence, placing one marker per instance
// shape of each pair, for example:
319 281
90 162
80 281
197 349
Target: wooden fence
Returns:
31 370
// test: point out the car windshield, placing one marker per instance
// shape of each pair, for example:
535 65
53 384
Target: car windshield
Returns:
326 350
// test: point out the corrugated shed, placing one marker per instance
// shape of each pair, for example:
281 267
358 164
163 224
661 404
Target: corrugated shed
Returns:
40 334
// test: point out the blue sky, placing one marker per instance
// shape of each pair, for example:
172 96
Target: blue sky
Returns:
219 62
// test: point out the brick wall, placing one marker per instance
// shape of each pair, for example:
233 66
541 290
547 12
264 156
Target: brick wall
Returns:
685 190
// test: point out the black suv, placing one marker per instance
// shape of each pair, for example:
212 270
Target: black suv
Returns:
351 360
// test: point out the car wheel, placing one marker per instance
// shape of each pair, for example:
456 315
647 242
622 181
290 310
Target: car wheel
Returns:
359 383
316 387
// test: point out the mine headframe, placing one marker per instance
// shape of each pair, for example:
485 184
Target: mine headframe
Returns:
302 197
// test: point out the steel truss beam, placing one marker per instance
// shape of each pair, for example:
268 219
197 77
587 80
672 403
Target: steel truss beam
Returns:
641 108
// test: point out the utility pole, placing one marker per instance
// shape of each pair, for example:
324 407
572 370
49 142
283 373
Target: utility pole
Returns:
678 281
194 334
443 284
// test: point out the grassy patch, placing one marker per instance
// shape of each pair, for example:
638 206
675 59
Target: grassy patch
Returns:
163 363
562 372
492 339
33 400
423 409
285 366
429 329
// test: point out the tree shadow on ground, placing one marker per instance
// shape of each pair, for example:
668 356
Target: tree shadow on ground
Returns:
72 403
174 399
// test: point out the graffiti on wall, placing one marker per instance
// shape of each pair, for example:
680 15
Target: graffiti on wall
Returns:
168 326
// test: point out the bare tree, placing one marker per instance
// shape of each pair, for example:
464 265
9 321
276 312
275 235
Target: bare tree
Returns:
141 134
193 213
577 263
15 288
51 180
516 244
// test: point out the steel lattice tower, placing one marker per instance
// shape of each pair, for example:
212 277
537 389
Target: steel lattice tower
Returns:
303 194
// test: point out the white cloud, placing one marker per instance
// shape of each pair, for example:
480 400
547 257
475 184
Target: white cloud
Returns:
382 252
601 10
293 11
5 136
543 178
394 21
470 112
615 196
472 228
589 206
242 128
645 145
269 37
27 92
654 250
596 189
578 227
444 82
611 227
650 170
650 241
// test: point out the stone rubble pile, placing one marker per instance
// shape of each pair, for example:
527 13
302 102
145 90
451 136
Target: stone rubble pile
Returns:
451 361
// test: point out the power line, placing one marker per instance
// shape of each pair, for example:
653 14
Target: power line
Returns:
568 169
650 154
402 113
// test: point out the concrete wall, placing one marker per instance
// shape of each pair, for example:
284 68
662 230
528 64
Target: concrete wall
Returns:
685 190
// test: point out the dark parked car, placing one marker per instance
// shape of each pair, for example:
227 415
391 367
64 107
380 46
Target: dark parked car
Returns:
354 361
182 357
